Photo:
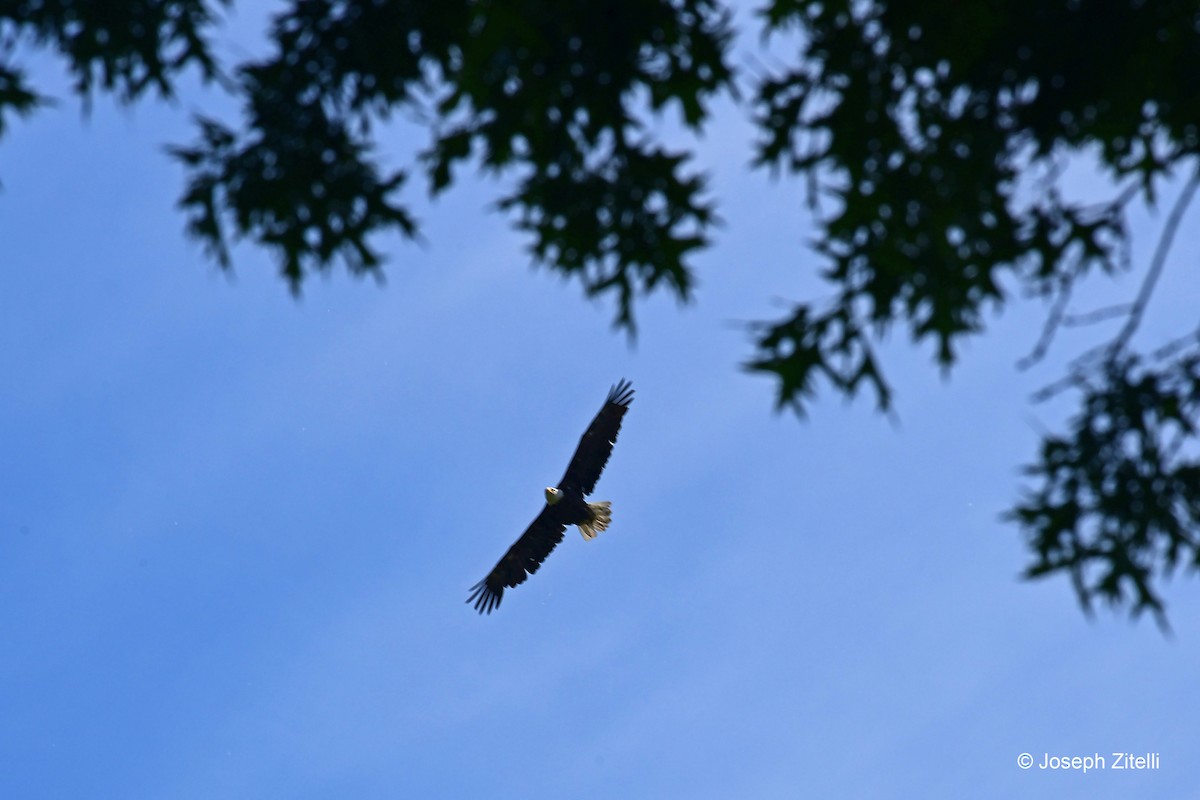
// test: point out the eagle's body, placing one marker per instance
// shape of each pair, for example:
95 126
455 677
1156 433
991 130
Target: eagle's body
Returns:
565 505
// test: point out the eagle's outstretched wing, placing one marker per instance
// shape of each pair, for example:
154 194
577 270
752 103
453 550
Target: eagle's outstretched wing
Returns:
597 443
521 560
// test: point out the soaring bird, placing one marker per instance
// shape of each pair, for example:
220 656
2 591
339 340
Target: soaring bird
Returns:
564 505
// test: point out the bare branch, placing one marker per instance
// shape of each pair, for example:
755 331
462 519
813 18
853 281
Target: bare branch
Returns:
1134 312
1053 321
1099 315
1175 345
1156 264
1058 316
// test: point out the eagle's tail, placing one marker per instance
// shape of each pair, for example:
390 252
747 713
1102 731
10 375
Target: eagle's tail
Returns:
601 516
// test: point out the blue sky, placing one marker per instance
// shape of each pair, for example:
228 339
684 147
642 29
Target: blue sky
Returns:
237 529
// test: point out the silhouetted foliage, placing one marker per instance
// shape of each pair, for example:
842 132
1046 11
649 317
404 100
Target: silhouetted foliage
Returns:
119 47
919 121
541 87
1118 497
932 139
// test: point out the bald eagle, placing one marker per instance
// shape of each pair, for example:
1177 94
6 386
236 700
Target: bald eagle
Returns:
564 505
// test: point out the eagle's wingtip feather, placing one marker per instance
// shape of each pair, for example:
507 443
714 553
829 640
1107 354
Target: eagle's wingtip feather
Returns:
621 393
484 598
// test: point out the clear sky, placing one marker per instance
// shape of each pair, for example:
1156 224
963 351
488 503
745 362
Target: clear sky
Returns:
237 529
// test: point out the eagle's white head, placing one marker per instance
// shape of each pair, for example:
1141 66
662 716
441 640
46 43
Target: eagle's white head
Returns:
553 495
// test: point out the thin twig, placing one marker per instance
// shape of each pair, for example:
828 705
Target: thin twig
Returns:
1072 378
1077 371
1099 315
1175 345
1053 321
1156 264
1123 199
1058 316
1107 353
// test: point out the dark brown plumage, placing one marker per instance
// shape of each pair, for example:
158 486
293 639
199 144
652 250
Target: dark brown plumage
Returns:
565 505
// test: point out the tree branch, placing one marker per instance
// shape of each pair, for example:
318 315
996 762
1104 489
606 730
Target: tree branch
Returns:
1099 315
1053 321
1104 353
1156 264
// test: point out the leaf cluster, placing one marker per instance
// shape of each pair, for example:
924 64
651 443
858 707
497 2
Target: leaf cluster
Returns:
545 88
1117 502
932 141
123 47
920 125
